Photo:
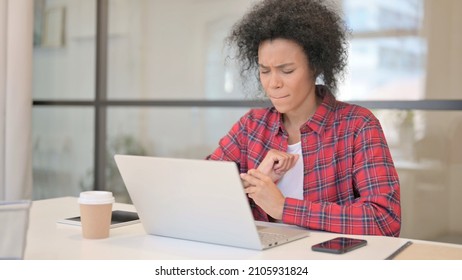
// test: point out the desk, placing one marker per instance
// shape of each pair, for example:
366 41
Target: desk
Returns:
52 241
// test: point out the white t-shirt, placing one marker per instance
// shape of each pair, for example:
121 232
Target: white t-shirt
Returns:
291 184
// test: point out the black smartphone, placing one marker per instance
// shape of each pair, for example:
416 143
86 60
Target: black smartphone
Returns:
339 245
118 217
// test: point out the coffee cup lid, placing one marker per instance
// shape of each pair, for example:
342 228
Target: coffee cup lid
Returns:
96 197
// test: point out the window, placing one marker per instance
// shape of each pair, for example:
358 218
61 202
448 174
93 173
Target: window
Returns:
387 50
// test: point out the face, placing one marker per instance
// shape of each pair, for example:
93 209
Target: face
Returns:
286 76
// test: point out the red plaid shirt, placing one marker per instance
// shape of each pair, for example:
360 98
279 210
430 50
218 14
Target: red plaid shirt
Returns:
350 184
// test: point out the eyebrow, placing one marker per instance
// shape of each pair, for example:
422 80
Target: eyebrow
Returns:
277 66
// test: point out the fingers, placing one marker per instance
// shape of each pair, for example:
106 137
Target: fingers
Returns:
276 163
255 177
254 181
250 182
249 189
245 183
285 162
275 159
264 192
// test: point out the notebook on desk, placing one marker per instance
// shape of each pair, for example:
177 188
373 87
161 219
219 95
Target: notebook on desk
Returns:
197 200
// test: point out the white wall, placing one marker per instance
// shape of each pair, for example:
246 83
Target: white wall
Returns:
444 79
16 22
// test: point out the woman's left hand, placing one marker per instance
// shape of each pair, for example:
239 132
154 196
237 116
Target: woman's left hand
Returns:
264 192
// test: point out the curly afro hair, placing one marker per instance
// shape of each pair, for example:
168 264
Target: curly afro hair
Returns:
311 23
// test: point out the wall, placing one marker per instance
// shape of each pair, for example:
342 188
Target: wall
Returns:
15 99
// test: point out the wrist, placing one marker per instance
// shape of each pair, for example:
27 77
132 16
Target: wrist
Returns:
280 211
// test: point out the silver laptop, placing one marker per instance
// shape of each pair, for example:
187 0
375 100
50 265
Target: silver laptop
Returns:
197 200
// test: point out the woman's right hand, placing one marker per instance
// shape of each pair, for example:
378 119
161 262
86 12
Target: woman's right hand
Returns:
277 163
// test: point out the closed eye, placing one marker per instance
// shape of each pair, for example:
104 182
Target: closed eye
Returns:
264 70
288 71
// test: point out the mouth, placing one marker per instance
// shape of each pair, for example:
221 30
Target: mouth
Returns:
279 97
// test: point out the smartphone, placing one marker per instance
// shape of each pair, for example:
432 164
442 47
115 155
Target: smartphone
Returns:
339 245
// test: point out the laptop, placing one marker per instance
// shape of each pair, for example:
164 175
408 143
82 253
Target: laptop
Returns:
198 200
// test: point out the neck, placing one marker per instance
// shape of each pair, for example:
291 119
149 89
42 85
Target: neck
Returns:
296 119
293 122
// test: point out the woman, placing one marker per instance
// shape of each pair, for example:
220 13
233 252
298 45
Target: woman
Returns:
309 160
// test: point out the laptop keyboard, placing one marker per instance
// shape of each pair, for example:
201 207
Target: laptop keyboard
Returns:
271 238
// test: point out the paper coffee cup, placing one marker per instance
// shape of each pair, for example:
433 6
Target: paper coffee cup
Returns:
95 213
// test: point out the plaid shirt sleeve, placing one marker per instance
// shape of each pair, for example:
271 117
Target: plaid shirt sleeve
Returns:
234 146
229 146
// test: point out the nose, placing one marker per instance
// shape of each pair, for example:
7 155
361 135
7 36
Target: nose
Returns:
275 81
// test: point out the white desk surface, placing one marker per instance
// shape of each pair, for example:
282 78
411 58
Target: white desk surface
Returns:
52 241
